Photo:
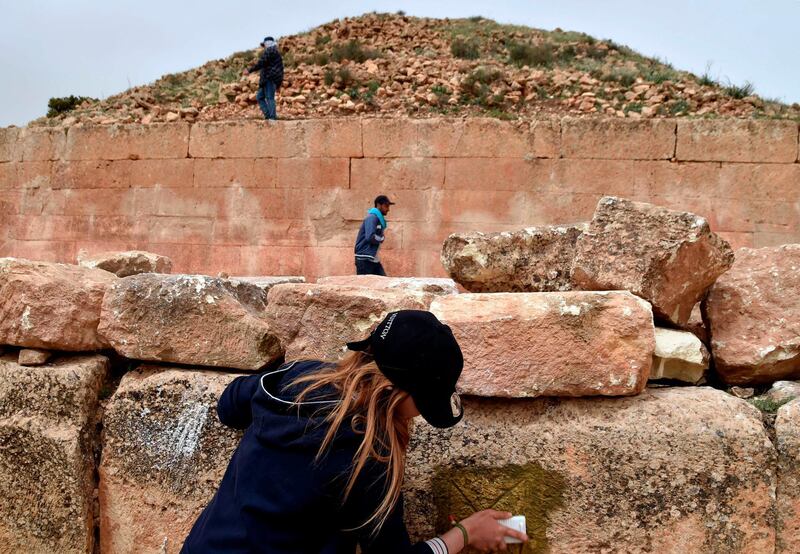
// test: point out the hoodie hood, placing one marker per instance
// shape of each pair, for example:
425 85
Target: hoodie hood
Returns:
284 423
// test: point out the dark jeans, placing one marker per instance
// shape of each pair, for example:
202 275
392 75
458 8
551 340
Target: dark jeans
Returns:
366 267
266 100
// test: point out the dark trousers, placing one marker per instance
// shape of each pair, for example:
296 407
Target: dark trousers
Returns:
366 267
266 100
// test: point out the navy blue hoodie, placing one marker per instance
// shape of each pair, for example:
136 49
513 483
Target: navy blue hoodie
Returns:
274 497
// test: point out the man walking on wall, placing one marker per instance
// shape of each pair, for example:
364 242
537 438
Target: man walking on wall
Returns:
270 65
370 237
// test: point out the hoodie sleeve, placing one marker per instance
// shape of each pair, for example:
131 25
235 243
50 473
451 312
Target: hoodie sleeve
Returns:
262 60
371 226
234 406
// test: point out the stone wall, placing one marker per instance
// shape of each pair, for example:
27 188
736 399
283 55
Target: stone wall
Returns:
287 198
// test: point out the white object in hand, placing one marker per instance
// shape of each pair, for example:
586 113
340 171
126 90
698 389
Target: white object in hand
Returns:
517 523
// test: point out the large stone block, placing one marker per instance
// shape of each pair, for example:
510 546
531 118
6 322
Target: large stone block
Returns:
128 142
315 321
430 285
787 431
284 139
672 470
667 257
620 139
40 144
51 306
8 143
388 174
189 319
446 138
47 447
753 312
551 344
737 140
164 455
125 264
536 259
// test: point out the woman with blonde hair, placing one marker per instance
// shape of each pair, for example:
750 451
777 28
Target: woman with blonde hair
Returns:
320 467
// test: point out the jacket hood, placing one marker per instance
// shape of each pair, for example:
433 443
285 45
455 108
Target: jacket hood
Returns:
285 423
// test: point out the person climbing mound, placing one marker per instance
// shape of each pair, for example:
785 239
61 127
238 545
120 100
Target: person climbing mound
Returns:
320 466
270 78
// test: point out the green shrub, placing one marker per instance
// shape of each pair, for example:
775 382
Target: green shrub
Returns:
678 107
622 75
475 86
766 405
354 51
740 91
341 77
467 49
529 54
567 53
57 106
322 40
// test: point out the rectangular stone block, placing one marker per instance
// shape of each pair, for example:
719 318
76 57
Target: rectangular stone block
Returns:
272 260
50 227
439 138
40 144
46 250
260 231
603 177
95 174
319 261
481 206
128 142
219 173
164 454
8 140
538 344
388 174
546 137
620 139
178 229
281 139
165 173
48 433
8 175
497 174
300 173
109 201
737 140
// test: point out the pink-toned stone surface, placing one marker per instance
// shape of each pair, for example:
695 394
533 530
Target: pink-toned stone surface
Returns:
753 312
535 259
696 325
430 285
687 469
787 432
667 257
621 139
127 142
737 140
315 321
48 436
51 306
33 357
125 264
189 319
164 455
551 344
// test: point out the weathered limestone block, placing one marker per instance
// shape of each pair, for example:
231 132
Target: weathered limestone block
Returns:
47 442
753 312
551 343
536 259
125 264
431 285
679 355
189 319
51 306
671 470
783 391
787 430
33 357
164 454
669 258
265 283
315 321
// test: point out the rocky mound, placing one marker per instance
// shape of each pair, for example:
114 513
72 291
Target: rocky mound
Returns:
396 65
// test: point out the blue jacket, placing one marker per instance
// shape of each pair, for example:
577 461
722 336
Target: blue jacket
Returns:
274 497
369 239
270 66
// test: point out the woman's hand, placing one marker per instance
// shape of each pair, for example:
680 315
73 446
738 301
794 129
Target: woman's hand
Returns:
486 534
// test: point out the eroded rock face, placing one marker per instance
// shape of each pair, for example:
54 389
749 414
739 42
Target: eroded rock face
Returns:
536 259
754 314
47 443
189 319
551 344
125 264
265 283
164 455
679 355
670 470
315 321
667 257
431 285
51 306
787 430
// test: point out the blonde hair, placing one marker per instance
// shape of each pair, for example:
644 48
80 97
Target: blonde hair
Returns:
371 402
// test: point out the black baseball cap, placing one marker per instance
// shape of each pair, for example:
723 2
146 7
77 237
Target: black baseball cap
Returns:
419 354
383 199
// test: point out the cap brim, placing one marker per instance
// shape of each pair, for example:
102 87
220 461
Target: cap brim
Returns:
359 345
440 410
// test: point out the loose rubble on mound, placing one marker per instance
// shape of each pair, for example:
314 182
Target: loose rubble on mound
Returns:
567 327
391 65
